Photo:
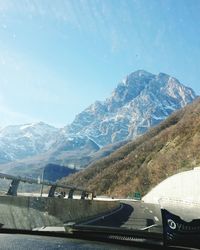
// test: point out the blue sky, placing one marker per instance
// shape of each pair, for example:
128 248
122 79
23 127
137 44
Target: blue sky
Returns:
57 57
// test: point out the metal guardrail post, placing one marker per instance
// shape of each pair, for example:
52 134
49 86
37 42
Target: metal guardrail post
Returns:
70 194
83 195
93 196
52 191
13 187
17 179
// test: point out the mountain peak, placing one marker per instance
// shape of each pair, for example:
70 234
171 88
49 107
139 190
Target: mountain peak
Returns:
161 74
139 102
140 73
130 88
136 77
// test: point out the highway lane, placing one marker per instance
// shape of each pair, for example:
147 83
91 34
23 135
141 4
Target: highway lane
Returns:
135 215
132 215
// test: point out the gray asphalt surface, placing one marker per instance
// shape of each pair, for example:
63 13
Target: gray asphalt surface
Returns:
132 215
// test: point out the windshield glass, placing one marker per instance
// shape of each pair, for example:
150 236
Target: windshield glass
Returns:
100 125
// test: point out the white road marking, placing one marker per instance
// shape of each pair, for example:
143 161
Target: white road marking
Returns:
156 218
146 228
103 216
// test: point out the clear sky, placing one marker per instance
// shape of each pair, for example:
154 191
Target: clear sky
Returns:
57 57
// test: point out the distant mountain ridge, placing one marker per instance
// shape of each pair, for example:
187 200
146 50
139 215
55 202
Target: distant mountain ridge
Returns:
21 141
139 102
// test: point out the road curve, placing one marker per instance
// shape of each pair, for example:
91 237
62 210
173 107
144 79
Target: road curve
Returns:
132 215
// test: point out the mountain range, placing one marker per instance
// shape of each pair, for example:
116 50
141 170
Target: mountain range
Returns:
139 102
169 148
21 141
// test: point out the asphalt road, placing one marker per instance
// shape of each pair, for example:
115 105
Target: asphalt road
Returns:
132 215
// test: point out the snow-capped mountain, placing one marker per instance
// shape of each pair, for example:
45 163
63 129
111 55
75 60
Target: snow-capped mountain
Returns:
139 102
21 141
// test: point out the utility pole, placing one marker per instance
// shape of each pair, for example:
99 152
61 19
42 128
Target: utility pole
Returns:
41 191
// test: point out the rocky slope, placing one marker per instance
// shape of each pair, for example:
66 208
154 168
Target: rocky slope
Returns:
139 102
169 148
